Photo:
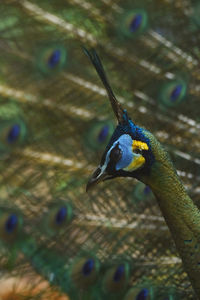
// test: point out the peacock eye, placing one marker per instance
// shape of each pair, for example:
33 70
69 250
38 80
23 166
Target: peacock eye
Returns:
13 133
135 22
61 215
88 267
142 294
54 58
57 218
138 151
173 93
11 223
84 272
119 273
51 59
115 154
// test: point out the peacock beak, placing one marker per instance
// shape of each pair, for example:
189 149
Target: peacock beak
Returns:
98 176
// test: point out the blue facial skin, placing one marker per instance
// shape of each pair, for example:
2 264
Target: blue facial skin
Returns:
128 127
125 145
135 133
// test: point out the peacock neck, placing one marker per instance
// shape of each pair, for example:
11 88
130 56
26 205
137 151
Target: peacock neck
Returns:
181 215
176 205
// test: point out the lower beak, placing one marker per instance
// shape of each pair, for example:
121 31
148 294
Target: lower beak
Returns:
95 179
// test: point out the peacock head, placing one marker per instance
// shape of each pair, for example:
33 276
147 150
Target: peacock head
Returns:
129 152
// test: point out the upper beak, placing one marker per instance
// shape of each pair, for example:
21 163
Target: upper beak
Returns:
96 177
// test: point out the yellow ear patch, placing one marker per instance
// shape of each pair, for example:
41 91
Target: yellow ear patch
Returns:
139 145
136 163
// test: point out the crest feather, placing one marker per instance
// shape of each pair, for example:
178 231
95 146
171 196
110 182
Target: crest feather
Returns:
116 106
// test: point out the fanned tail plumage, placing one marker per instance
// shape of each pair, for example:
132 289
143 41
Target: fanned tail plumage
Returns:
58 242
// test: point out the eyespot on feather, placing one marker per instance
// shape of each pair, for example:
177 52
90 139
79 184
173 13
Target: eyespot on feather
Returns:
57 218
10 225
173 93
116 278
98 134
12 134
51 59
134 23
140 293
84 272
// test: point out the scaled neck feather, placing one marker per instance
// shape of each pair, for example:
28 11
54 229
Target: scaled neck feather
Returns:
181 214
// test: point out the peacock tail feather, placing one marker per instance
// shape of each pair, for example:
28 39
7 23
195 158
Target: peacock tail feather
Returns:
58 242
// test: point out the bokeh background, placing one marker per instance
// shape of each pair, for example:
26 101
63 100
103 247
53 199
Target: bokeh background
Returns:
55 121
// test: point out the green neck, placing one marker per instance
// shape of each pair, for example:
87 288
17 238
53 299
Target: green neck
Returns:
178 209
181 215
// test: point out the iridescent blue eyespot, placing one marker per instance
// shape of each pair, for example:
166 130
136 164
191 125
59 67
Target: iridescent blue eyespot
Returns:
103 134
143 294
99 134
54 58
61 215
119 273
13 133
173 92
84 272
135 23
88 267
147 190
51 59
176 92
116 279
11 223
57 218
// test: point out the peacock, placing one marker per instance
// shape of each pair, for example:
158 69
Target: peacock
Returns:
134 152
57 241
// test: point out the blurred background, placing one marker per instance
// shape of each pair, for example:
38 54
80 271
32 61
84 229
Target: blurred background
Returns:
57 242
